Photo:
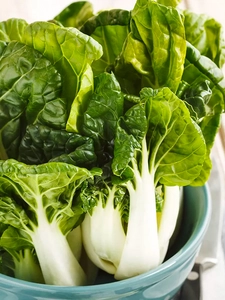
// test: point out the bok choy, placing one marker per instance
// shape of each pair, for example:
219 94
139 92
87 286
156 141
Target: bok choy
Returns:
104 118
38 207
152 146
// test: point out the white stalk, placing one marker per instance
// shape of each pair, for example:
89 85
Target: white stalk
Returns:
171 207
141 250
103 235
58 264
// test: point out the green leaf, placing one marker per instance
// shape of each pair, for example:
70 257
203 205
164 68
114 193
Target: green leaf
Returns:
51 186
75 14
110 28
11 213
42 76
196 97
67 48
156 47
81 101
199 68
14 240
104 109
175 144
102 114
41 144
12 29
206 34
30 89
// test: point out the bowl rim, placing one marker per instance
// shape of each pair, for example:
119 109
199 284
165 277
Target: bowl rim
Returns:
188 249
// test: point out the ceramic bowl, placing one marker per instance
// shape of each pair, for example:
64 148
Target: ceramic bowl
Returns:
162 283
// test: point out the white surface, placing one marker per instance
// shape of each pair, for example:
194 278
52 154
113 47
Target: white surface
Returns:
213 280
43 10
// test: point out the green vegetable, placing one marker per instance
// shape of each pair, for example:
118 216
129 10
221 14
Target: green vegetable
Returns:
38 205
41 85
152 148
41 144
103 118
198 69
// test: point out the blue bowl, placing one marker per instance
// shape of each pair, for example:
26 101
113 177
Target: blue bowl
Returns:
161 283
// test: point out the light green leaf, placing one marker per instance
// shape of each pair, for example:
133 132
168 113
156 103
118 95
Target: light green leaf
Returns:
67 48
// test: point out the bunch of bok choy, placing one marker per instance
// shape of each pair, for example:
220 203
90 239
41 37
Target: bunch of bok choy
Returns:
104 117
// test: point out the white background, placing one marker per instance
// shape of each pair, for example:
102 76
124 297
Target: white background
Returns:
42 10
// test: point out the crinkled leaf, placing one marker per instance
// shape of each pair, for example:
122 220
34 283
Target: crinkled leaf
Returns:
102 114
11 213
196 97
41 76
12 29
30 88
41 144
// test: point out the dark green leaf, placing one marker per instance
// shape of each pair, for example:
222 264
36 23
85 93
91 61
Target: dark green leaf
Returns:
103 112
199 68
30 88
41 144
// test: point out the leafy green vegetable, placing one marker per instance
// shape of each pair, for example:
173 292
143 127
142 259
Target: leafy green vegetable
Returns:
102 119
152 147
21 264
39 85
25 96
42 210
162 122
196 97
12 29
75 75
